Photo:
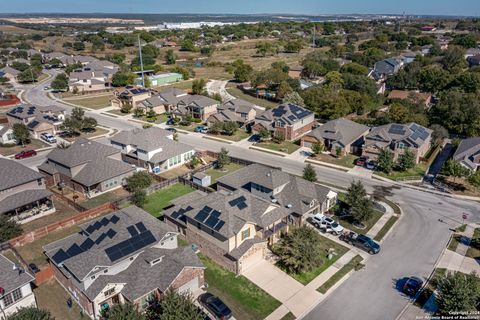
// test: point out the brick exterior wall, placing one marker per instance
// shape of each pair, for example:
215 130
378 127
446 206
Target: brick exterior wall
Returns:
308 139
187 275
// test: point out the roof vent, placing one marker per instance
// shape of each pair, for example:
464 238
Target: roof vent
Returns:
274 200
268 174
289 205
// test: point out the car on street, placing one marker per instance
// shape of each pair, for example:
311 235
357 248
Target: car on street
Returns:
26 154
216 306
361 161
46 88
171 130
254 138
361 241
48 137
201 129
33 267
327 224
412 286
170 122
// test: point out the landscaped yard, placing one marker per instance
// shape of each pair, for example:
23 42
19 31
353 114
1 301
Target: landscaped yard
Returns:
33 145
326 245
415 173
240 134
104 198
285 146
215 173
237 93
245 299
347 222
351 265
116 112
53 297
161 199
88 135
345 161
92 102
474 249
63 211
161 118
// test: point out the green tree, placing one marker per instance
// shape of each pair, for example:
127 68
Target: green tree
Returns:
121 79
139 198
89 123
293 46
283 89
309 173
125 311
198 85
299 250
406 160
439 133
242 71
354 68
21 133
338 151
126 107
474 179
454 169
223 159
293 98
138 112
230 127
355 192
362 210
385 161
31 313
216 127
138 181
263 133
8 228
458 292
188 45
170 57
78 46
317 147
194 162
174 306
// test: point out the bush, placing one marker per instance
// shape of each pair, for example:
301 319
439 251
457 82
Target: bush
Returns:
138 181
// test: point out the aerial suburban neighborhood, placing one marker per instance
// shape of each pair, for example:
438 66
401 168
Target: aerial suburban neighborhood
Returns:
287 160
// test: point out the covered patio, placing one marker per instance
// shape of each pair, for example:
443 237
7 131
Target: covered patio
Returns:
28 205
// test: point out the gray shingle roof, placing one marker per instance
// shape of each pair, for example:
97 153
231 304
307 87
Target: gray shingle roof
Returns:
412 134
15 174
11 70
468 153
238 105
197 100
146 139
98 171
24 111
80 152
22 198
340 130
287 114
11 279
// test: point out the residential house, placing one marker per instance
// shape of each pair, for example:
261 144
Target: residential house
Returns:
196 106
96 75
474 60
300 196
295 72
88 167
384 68
161 79
37 119
163 101
153 149
340 133
10 73
422 98
472 52
84 60
6 134
130 94
23 193
468 153
15 288
125 256
397 138
289 120
232 228
237 110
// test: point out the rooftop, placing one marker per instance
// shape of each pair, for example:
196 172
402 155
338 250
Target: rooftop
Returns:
15 174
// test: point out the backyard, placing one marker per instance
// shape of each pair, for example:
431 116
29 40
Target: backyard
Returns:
285 146
104 198
63 211
161 199
245 299
216 173
33 145
92 102
53 297
237 93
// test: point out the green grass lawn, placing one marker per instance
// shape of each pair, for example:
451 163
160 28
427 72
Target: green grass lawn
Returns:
53 297
215 174
117 112
237 93
103 198
326 244
286 146
240 134
386 227
351 265
417 172
454 242
161 118
33 145
83 135
345 161
288 316
95 102
245 299
161 199
474 249
347 222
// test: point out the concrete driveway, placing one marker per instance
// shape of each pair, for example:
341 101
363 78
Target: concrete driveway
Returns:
361 172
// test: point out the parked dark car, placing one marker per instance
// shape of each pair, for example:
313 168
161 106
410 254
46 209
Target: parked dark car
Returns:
412 286
215 306
361 161
26 154
33 267
202 314
170 121
171 130
361 241
254 138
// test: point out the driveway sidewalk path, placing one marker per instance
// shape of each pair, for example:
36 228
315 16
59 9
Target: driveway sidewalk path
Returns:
466 239
382 221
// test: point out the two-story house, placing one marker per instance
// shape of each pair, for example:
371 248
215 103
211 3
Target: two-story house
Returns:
384 68
37 119
232 228
397 138
196 106
129 95
125 256
23 193
163 101
237 110
15 288
468 153
289 120
95 75
153 149
86 166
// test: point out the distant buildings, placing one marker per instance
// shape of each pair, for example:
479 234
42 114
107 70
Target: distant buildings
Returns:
161 79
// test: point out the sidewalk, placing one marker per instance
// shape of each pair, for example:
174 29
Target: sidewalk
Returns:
382 221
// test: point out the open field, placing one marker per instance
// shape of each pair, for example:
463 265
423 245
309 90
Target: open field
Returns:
92 102
237 93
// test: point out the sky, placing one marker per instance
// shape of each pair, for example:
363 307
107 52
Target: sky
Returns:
412 7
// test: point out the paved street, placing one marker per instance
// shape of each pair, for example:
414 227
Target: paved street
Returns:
411 249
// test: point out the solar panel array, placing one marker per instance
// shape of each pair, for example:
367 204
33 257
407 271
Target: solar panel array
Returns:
181 212
239 203
397 129
210 218
418 132
101 223
140 238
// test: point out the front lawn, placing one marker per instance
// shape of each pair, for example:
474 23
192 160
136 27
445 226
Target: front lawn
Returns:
244 298
161 199
347 160
239 135
474 249
95 102
285 146
326 245
347 222
33 145
215 173
87 135
416 172
117 112
160 118
355 263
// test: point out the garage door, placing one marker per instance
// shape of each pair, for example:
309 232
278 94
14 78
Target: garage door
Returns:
192 285
251 260
307 144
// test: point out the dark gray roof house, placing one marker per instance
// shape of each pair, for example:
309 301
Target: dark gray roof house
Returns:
468 153
386 67
127 253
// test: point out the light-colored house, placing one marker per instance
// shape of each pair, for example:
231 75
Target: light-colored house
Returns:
153 149
88 167
196 106
130 94
237 110
37 119
468 153
15 288
397 138
96 75
163 101
23 193
341 133
125 256
6 134
10 73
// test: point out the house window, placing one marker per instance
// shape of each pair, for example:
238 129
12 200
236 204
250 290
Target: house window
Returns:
109 292
39 181
92 277
7 300
245 234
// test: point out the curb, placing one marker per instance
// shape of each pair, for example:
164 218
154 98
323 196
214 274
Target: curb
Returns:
326 164
276 153
217 139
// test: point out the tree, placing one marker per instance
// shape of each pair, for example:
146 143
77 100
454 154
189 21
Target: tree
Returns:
123 311
263 133
194 162
317 147
77 121
60 82
362 210
174 306
126 107
406 160
293 46
188 45
385 161
78 46
309 173
138 181
439 133
300 250
121 79
293 98
474 179
355 193
8 228
338 151
223 159
21 133
31 313
138 112
242 71
354 68
216 127
198 85
170 57
283 89
458 292
230 127
89 123
139 198
454 169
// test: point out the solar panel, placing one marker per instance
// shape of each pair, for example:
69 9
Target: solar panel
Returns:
219 225
114 255
60 256
104 221
114 219
97 225
242 205
215 214
202 215
141 227
111 233
100 238
211 222
74 250
87 244
90 229
132 230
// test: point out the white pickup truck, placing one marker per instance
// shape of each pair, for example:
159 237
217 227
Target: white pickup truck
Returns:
326 224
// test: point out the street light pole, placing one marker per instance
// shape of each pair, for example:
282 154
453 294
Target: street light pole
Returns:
141 61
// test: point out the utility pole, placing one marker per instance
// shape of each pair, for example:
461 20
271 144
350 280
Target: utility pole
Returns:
313 38
141 61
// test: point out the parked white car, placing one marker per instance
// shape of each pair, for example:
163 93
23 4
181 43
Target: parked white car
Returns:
327 224
48 137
